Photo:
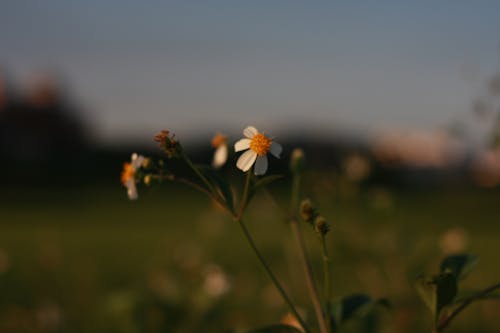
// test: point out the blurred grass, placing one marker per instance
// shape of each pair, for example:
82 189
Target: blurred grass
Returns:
89 260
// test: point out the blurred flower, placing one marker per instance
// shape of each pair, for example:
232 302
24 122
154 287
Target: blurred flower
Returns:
453 241
216 282
128 175
219 142
257 146
168 143
357 167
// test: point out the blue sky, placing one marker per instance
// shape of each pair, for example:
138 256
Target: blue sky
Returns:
198 67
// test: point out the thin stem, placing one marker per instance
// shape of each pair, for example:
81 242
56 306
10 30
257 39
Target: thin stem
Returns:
327 278
464 305
277 284
311 285
309 276
194 186
246 190
272 276
204 179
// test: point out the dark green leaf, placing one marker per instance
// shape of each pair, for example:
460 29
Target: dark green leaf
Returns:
446 290
276 329
352 306
459 265
437 292
426 289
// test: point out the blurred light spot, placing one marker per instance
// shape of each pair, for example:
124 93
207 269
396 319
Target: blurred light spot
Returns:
216 282
453 241
49 317
357 167
486 168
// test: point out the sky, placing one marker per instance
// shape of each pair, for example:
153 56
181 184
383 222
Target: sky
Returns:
204 66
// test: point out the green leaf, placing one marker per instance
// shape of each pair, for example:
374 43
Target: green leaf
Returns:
459 265
426 289
446 291
219 183
276 329
352 306
437 292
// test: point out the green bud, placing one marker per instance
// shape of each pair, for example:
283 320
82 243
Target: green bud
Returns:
297 160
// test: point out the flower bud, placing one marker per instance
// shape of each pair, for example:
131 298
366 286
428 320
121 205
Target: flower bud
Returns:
147 179
146 163
307 211
297 160
321 225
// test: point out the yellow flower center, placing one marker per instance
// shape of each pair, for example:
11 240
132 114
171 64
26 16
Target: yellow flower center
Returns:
218 140
127 173
260 144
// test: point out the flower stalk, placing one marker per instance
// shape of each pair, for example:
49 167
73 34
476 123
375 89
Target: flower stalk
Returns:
261 258
294 224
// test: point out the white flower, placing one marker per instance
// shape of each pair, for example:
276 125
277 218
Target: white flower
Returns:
128 175
257 146
219 142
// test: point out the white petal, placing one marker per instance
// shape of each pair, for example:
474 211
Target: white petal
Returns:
131 189
137 161
250 131
242 144
260 165
246 160
276 149
220 156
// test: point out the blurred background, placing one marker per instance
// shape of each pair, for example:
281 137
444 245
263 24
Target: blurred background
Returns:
396 105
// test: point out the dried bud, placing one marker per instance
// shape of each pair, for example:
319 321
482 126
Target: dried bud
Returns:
307 211
297 160
168 143
321 225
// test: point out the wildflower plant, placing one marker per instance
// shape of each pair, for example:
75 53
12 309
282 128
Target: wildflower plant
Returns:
439 292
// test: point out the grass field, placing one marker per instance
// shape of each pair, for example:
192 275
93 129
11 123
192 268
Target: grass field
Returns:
89 260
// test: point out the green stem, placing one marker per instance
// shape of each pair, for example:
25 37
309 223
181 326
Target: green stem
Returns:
327 279
311 285
441 326
246 190
273 277
204 179
248 236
